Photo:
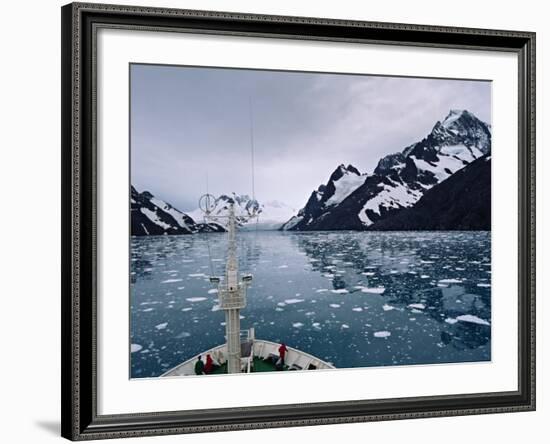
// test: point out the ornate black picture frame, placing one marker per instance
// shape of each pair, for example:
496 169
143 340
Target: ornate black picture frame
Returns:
80 419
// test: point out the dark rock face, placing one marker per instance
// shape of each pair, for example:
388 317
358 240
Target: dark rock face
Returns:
325 198
462 202
150 216
354 201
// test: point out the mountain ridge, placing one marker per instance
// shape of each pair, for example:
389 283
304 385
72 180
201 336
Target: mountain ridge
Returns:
399 179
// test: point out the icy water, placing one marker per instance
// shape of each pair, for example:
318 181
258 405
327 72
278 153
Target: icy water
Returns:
355 299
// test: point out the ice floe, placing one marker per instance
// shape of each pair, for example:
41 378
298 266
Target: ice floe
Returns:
374 290
171 281
473 319
450 281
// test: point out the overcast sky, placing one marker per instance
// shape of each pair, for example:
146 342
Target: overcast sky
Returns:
188 124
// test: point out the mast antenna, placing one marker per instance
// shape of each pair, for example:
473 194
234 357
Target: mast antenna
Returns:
251 144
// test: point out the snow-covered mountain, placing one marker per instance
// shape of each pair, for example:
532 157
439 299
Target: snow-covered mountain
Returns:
271 215
354 201
462 202
153 216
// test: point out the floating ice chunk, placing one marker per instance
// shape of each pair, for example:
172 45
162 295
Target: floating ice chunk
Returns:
186 309
282 266
481 284
387 307
147 309
426 262
213 291
381 334
170 281
316 325
135 348
451 321
424 276
374 290
197 299
340 291
334 305
197 275
450 281
293 301
279 309
281 304
183 334
357 309
321 290
215 307
418 306
368 273
297 324
345 326
161 326
473 319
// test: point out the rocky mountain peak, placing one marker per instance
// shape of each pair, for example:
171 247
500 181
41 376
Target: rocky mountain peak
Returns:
350 200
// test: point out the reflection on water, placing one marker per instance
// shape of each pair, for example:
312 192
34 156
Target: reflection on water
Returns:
352 298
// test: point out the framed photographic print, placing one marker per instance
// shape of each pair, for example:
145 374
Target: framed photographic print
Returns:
277 221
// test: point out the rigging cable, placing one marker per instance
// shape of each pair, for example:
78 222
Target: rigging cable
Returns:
210 262
251 115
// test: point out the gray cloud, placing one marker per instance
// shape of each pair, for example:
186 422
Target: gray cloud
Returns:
188 124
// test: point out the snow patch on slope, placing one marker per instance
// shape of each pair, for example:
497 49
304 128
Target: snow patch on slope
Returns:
346 185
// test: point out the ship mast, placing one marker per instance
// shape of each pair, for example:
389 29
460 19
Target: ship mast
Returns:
231 287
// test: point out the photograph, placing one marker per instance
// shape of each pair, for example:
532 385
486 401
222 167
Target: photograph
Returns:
295 221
